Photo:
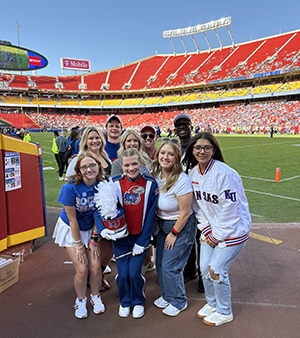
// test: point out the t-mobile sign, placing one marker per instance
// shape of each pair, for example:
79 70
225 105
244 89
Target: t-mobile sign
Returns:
75 64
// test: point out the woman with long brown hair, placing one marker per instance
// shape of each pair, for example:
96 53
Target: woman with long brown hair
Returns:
74 228
224 220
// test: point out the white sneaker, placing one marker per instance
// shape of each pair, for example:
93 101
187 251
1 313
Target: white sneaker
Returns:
124 311
138 311
172 311
107 269
216 319
80 308
61 179
161 303
205 311
98 306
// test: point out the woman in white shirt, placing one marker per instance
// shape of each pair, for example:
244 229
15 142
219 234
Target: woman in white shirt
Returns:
223 217
176 227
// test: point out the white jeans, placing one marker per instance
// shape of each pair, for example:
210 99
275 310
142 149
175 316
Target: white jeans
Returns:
218 291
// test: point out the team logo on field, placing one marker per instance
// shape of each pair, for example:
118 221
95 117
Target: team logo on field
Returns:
133 195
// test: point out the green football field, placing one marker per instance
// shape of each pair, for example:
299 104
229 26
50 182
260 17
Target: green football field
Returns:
255 158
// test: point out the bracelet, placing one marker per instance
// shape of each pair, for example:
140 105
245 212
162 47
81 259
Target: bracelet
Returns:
78 248
95 238
76 242
174 232
93 243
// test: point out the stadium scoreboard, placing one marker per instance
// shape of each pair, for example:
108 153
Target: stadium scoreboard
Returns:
17 58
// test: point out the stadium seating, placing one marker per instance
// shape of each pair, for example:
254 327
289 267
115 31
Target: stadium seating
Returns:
146 69
19 120
164 71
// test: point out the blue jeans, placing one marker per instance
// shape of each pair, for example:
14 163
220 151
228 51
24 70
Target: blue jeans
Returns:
219 259
170 263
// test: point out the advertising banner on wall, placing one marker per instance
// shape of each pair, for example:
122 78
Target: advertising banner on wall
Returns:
75 64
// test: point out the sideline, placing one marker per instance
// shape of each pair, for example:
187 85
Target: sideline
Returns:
268 180
279 196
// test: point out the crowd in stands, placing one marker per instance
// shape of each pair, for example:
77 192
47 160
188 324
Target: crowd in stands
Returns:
238 119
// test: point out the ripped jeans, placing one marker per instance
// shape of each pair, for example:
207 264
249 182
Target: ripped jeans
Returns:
217 261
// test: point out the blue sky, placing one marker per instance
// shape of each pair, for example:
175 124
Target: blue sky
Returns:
110 33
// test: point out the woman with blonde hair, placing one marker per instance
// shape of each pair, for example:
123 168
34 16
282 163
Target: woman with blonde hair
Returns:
130 139
176 227
93 141
74 228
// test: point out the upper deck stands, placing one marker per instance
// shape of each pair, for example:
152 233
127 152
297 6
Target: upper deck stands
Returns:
163 71
94 82
184 74
70 82
19 81
119 77
44 82
147 68
267 49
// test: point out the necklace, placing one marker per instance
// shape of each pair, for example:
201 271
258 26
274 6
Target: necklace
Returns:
91 187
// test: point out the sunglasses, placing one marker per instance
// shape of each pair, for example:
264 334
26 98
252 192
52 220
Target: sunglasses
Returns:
144 136
182 124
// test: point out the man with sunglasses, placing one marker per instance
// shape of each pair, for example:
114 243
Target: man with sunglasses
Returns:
149 138
183 129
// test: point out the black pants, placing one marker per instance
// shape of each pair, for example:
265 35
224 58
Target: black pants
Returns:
62 163
192 265
57 159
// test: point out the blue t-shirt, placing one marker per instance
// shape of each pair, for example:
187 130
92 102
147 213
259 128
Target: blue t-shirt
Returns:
82 197
112 149
77 146
73 147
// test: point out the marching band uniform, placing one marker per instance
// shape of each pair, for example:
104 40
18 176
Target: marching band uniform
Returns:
138 198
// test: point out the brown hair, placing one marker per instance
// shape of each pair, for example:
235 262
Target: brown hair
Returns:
77 178
189 159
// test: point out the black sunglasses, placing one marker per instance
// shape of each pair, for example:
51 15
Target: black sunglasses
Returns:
144 136
182 124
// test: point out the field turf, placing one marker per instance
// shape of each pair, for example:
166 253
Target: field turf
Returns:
255 158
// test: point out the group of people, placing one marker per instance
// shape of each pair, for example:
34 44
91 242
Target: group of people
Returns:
122 191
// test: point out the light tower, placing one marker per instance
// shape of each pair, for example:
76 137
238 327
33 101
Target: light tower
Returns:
202 28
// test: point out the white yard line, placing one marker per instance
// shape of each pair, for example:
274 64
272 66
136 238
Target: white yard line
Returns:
256 145
291 178
258 178
256 215
267 180
279 196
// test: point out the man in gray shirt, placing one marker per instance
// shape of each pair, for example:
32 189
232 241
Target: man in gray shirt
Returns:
61 142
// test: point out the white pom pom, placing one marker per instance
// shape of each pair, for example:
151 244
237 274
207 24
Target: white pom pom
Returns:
106 199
